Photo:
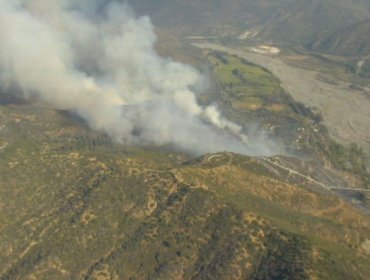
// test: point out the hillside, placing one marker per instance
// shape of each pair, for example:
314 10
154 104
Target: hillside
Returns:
303 21
118 163
353 40
289 22
75 205
210 17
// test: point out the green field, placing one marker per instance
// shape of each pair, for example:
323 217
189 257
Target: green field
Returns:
248 86
250 93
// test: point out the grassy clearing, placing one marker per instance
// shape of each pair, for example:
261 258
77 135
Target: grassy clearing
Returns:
246 83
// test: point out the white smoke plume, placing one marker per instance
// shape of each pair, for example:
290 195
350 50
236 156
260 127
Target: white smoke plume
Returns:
97 58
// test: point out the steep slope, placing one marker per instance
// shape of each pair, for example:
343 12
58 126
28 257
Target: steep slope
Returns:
76 206
303 21
287 22
208 17
353 41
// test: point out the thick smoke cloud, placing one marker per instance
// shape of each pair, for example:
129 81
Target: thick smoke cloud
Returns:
97 58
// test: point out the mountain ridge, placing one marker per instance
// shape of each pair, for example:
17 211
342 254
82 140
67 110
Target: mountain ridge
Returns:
89 208
348 41
287 23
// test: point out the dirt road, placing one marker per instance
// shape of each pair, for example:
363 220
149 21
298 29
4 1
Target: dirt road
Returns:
309 178
346 112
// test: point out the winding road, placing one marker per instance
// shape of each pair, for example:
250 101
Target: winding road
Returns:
310 179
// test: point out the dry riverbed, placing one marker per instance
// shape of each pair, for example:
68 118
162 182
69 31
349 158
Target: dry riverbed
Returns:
346 112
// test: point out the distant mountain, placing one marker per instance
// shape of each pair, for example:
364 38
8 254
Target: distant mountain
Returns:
197 17
292 22
303 21
352 40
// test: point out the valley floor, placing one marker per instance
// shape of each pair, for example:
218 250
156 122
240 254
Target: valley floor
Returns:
345 111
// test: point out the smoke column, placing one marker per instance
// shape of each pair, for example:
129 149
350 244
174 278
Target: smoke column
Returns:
96 58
